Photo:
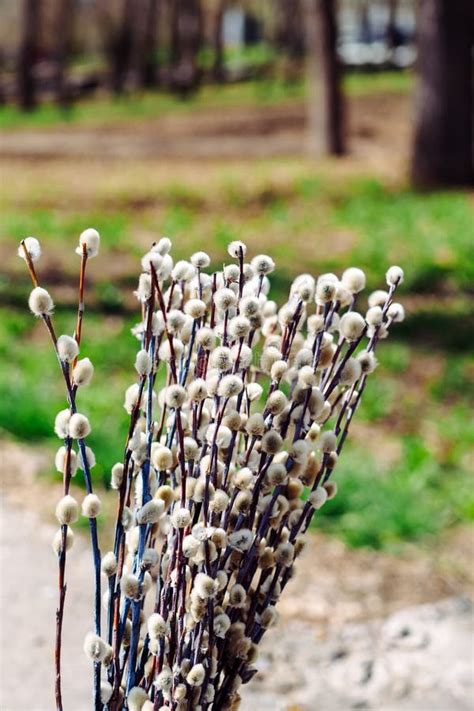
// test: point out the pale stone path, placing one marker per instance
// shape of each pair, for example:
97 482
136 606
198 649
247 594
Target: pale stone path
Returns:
353 633
419 659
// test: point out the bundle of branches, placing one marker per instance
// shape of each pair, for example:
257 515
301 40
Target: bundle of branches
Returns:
238 415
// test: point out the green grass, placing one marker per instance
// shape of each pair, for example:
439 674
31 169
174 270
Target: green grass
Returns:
405 473
418 497
430 235
145 105
422 489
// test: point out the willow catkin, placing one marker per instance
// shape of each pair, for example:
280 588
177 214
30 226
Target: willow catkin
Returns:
238 412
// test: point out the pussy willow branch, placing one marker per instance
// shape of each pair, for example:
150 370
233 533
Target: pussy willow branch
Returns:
71 392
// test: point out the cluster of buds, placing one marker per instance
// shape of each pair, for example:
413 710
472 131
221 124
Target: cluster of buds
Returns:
237 417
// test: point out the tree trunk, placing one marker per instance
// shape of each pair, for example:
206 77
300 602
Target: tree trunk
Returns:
218 69
148 61
123 46
290 29
186 40
64 28
27 55
391 33
443 143
326 104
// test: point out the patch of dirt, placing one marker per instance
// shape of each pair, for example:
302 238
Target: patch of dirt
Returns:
377 124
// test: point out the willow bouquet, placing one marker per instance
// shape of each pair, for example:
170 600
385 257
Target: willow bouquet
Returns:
237 416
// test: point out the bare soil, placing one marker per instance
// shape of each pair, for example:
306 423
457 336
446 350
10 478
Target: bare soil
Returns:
377 125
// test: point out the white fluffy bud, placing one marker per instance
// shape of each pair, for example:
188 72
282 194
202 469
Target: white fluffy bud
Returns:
83 372
351 326
40 302
79 426
91 239
67 348
67 510
394 276
32 247
143 362
91 506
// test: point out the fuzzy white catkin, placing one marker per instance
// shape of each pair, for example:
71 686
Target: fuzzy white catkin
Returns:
353 279
318 497
143 362
236 248
67 510
164 679
94 647
67 348
40 302
130 585
61 459
116 476
57 540
91 239
196 675
91 506
205 586
262 264
374 316
328 441
83 372
156 626
33 248
105 692
351 326
79 426
396 312
109 564
200 259
196 308
394 276
181 518
136 697
175 395
150 512
61 423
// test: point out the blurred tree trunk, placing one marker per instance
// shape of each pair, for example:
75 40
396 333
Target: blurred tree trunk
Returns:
218 69
149 45
123 46
27 98
186 41
64 29
326 103
365 32
443 144
290 30
391 33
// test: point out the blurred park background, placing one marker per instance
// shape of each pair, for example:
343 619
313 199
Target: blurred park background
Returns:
211 121
326 136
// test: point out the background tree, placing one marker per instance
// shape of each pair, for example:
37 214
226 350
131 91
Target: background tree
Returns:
218 69
118 30
325 96
27 54
64 30
186 41
148 63
391 32
443 144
